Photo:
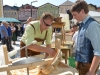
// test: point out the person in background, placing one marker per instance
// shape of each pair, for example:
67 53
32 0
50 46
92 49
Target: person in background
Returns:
40 31
9 36
28 21
88 43
74 38
0 37
0 33
16 31
19 29
4 35
13 29
22 29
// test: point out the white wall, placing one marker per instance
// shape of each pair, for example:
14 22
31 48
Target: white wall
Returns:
95 15
65 18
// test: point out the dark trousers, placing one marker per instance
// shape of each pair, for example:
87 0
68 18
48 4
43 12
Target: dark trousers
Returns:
83 68
0 37
30 52
18 33
6 41
10 39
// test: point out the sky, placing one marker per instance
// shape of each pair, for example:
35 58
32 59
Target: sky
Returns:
41 2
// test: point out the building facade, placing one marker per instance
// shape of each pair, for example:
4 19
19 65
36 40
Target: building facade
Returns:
10 12
92 7
65 6
98 9
48 8
25 12
1 8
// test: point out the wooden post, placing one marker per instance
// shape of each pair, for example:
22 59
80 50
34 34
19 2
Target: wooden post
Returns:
57 44
6 57
61 26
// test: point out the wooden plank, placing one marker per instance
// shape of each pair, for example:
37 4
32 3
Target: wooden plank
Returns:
5 54
12 67
57 44
6 57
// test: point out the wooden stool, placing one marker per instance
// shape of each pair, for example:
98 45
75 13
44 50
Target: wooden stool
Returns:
61 26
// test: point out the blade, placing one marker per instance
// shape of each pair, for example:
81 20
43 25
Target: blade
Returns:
27 61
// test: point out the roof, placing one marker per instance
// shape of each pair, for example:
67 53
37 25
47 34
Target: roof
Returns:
27 6
15 8
47 3
68 3
93 5
9 20
7 7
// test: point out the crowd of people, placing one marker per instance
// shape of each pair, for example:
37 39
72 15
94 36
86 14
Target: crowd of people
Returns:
9 33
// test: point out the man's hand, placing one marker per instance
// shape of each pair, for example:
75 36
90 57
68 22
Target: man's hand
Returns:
51 52
46 55
94 65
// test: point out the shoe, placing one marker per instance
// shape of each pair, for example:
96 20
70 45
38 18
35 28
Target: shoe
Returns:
12 48
9 50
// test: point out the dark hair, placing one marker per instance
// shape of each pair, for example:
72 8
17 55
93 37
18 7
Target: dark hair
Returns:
79 5
47 15
70 15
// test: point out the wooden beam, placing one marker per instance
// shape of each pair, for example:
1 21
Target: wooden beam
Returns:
34 65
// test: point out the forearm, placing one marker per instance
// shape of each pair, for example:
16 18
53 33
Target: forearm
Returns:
95 63
49 45
38 48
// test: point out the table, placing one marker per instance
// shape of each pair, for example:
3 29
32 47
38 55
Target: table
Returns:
60 71
66 49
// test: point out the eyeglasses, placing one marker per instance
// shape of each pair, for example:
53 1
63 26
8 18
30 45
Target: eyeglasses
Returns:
46 23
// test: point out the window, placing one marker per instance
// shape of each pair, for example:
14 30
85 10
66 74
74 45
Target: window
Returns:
56 12
29 13
21 13
52 11
25 12
44 6
33 12
44 11
5 15
47 10
40 11
15 13
61 10
9 14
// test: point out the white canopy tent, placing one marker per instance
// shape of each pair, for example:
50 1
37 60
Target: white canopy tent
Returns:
65 18
95 15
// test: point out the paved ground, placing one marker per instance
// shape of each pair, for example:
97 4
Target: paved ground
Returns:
17 55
